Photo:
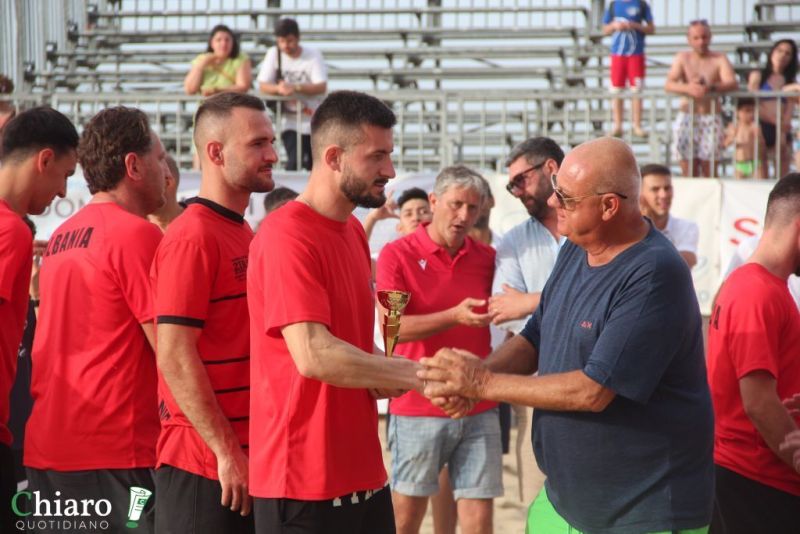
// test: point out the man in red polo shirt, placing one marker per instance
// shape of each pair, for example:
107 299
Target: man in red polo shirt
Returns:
753 363
315 457
199 277
94 424
449 276
38 154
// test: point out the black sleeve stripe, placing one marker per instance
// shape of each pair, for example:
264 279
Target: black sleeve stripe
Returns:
229 360
235 419
229 297
183 321
232 390
246 446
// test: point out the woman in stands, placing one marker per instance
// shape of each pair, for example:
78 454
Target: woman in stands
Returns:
223 67
780 70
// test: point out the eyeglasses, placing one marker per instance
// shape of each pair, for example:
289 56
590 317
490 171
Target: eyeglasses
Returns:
518 181
568 203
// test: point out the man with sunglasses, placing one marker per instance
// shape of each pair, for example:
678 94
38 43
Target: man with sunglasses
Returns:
623 423
525 256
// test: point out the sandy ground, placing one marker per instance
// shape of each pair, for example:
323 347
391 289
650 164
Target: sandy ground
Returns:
509 512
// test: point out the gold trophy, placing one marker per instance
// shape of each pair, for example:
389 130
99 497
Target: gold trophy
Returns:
394 302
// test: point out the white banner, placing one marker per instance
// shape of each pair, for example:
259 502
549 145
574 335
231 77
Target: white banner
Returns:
726 212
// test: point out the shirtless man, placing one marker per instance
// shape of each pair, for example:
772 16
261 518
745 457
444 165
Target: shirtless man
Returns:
694 74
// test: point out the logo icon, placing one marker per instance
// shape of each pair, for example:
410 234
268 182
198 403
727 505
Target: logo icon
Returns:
423 263
139 498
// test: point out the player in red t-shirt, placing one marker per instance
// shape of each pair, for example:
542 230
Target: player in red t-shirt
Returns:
450 276
315 457
753 363
38 155
203 348
94 424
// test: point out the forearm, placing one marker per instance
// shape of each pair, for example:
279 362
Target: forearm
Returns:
310 89
515 356
680 88
193 80
321 356
571 391
369 225
414 327
689 257
608 29
773 422
188 382
268 88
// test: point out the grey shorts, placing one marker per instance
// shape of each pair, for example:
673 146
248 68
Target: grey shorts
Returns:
470 447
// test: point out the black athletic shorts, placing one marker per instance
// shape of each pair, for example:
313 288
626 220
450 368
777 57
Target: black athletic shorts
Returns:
8 487
363 512
190 504
744 506
112 501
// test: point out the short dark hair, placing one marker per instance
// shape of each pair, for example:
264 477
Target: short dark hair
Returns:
277 198
415 193
348 111
286 27
784 200
108 137
223 28
535 148
745 101
220 106
35 129
655 168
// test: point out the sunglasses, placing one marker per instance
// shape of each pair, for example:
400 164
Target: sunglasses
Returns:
568 203
517 183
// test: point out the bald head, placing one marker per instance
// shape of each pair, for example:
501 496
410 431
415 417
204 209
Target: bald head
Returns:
604 165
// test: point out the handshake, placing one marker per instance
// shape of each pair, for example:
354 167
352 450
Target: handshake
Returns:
453 380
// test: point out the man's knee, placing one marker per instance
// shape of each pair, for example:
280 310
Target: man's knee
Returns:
475 515
408 512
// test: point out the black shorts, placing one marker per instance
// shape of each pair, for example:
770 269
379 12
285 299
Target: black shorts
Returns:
360 513
744 506
769 131
112 485
8 487
190 504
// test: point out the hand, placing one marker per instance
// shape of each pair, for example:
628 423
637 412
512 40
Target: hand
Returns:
697 90
454 407
208 91
285 89
793 404
509 305
386 393
621 25
387 211
464 314
453 372
233 477
792 443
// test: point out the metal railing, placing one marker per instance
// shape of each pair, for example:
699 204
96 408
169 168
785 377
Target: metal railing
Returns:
438 128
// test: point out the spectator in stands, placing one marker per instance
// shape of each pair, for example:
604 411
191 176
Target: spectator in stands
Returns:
780 71
167 213
753 340
450 277
95 333
697 133
7 109
412 209
38 155
656 201
628 21
526 255
617 341
294 71
747 138
223 67
277 198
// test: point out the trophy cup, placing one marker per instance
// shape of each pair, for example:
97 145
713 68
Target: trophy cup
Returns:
394 302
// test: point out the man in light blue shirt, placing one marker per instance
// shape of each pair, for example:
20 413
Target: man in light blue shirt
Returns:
525 256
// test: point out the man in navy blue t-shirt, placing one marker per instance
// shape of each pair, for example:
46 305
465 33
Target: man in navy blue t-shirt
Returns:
623 426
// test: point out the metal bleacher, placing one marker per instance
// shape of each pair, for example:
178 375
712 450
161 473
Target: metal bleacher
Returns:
468 78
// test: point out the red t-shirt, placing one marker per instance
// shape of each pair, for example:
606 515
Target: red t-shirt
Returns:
199 278
309 440
437 282
16 255
755 326
94 373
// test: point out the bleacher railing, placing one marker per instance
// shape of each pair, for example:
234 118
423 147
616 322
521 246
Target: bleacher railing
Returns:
437 128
